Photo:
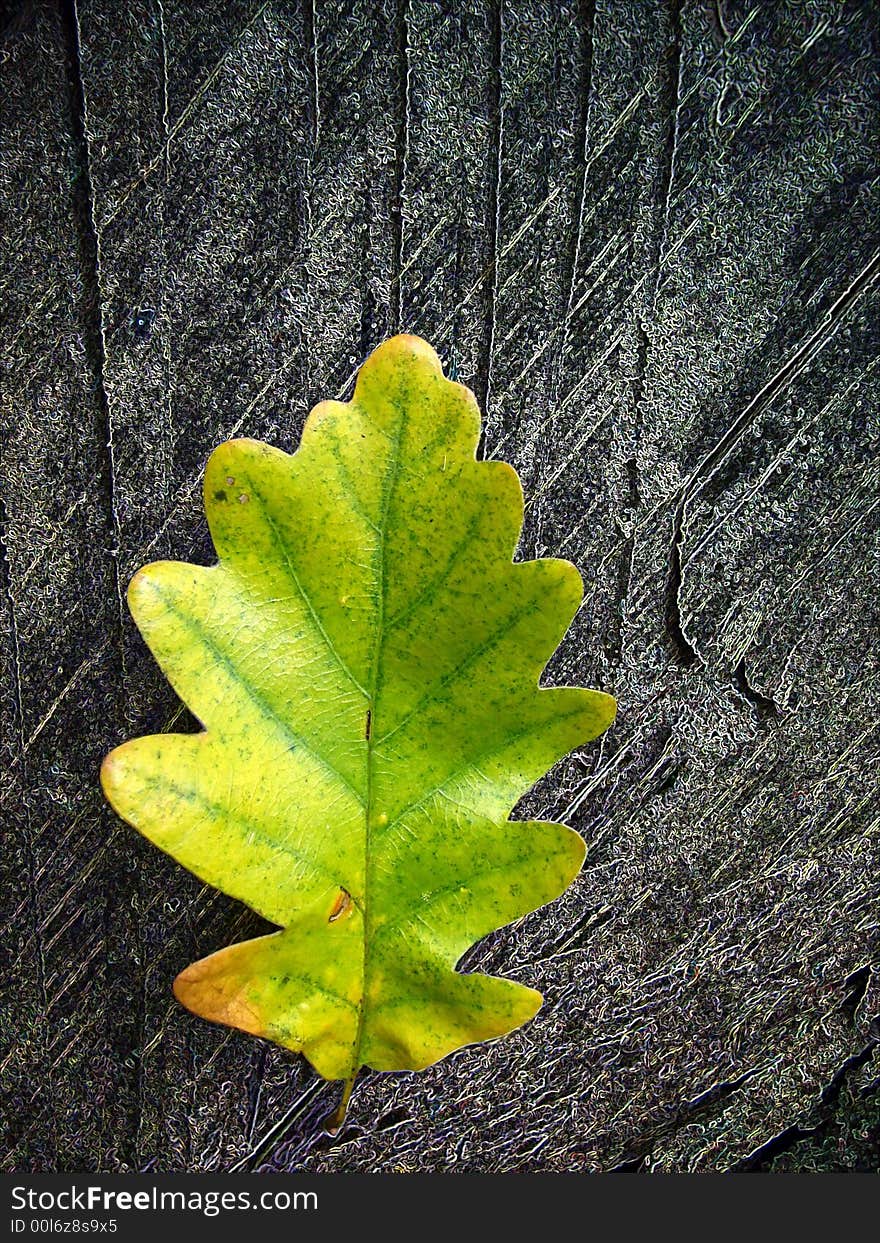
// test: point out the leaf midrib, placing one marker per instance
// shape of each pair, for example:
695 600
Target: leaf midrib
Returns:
389 488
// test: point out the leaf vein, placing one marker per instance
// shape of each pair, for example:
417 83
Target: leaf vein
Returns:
282 547
248 827
471 764
429 899
460 669
431 590
260 702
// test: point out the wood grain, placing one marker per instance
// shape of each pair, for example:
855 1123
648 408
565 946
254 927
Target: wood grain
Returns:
646 235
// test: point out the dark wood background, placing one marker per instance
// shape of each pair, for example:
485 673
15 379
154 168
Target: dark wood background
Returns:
645 234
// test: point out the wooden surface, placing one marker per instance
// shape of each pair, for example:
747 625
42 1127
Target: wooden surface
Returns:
645 234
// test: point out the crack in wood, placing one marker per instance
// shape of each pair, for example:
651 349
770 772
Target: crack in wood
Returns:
762 1158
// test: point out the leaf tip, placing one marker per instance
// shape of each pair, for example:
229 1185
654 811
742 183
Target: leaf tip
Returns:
110 772
137 584
531 1002
606 706
210 989
142 587
402 353
578 848
406 343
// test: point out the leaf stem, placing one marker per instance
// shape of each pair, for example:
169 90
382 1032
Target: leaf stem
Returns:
335 1121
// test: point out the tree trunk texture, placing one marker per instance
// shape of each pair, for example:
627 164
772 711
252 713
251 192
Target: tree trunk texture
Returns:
645 234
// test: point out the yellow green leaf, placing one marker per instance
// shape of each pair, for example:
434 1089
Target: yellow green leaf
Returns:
365 658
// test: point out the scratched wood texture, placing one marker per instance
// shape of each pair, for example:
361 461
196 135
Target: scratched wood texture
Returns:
645 234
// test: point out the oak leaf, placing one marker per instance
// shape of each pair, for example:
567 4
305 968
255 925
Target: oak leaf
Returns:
365 658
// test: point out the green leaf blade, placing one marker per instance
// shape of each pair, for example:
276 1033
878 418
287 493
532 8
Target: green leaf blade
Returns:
365 659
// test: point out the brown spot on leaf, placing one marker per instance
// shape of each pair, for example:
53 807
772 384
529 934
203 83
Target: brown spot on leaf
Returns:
341 907
243 498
